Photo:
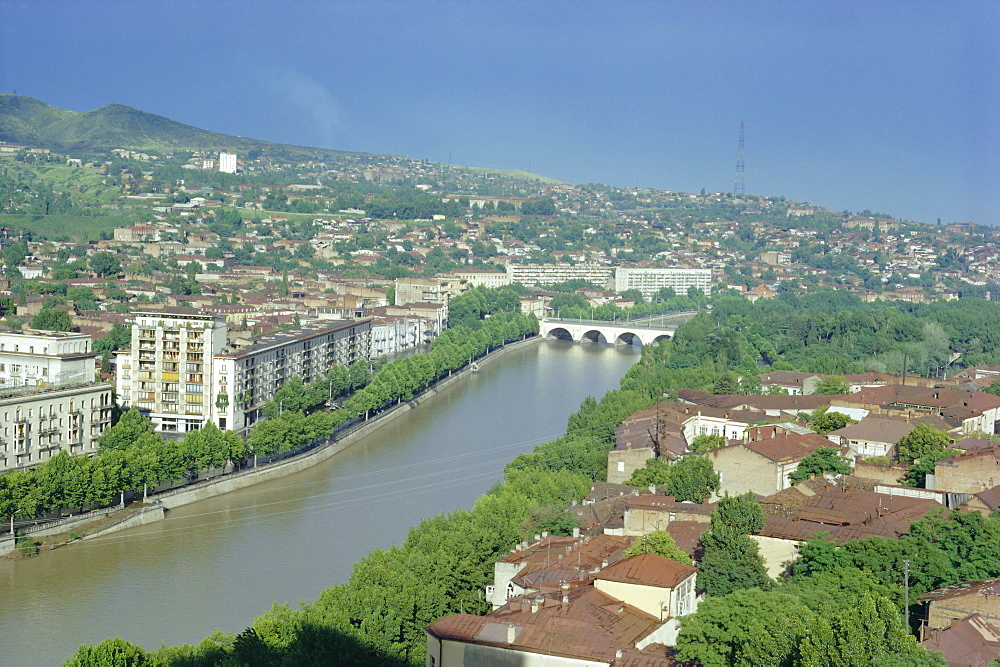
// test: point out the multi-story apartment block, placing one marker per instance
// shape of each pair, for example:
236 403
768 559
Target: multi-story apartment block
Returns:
650 281
245 379
167 375
551 274
39 424
45 358
227 163
181 374
392 335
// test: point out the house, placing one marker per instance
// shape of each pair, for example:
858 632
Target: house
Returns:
542 565
665 429
845 511
875 435
984 502
772 406
957 601
625 614
793 382
968 642
649 511
762 464
973 471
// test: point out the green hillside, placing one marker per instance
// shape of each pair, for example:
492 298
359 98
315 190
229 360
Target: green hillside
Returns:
25 120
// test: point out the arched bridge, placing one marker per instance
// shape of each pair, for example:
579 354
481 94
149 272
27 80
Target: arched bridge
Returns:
616 333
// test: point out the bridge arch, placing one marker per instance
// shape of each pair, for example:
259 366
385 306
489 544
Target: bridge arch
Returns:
629 338
594 336
560 333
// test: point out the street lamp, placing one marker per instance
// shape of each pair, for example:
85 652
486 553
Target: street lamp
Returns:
281 405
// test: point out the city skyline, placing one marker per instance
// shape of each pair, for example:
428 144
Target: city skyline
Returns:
890 108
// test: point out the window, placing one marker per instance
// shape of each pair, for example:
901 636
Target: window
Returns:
621 466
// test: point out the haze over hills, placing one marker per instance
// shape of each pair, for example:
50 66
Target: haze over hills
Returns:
29 121
26 120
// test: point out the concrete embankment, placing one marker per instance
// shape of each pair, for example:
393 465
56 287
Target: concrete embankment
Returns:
88 524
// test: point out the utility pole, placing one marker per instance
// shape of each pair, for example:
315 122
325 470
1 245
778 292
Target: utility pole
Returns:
739 187
906 587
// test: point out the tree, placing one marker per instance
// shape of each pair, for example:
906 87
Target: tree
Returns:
748 627
105 264
823 460
118 338
833 384
111 653
129 430
863 634
692 478
924 440
742 514
706 441
731 562
52 319
658 542
823 421
727 383
656 472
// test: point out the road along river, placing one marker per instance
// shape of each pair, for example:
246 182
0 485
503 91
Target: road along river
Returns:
219 563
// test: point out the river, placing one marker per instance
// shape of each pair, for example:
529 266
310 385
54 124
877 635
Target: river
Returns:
221 562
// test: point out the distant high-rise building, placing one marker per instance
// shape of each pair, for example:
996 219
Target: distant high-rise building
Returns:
649 281
227 163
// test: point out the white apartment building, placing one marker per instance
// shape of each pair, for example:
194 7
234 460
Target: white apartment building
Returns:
39 423
477 277
550 274
246 379
649 281
180 373
392 335
168 373
227 163
45 358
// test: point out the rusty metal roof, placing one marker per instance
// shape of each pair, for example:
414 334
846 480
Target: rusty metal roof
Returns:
648 570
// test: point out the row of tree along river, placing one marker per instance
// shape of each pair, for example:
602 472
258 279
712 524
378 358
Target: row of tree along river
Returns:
221 562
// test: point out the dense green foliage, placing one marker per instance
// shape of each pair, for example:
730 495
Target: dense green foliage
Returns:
816 624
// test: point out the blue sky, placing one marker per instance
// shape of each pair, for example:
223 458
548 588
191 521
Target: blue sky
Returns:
888 106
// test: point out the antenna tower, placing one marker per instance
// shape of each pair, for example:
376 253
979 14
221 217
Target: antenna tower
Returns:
738 186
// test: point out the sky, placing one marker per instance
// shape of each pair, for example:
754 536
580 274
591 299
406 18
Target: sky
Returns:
888 106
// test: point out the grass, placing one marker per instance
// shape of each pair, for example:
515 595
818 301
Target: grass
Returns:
78 228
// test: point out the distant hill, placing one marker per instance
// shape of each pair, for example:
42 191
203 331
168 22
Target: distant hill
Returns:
25 120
